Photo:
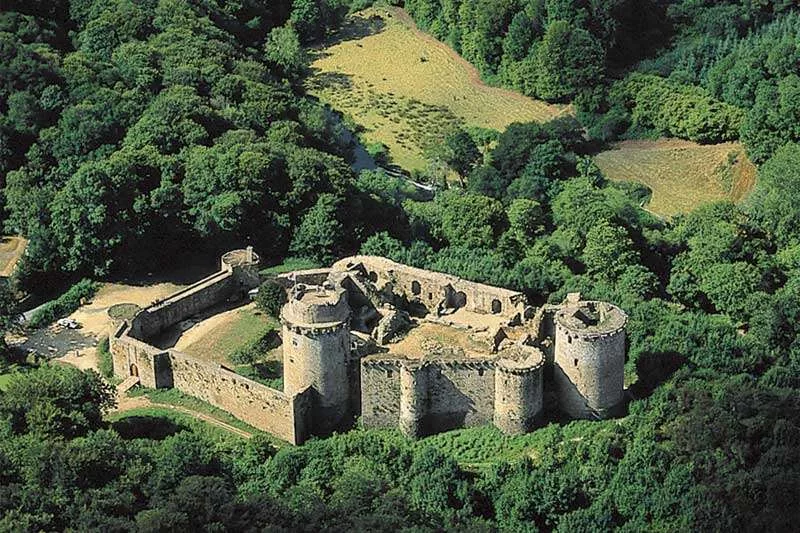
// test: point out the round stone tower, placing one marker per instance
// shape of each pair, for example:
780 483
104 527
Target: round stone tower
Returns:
244 265
413 398
518 391
316 347
589 358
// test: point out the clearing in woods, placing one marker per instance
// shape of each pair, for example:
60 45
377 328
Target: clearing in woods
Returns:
408 90
11 250
682 175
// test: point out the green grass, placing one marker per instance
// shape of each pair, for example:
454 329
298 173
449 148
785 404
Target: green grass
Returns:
179 399
5 379
290 265
11 372
221 343
408 91
159 422
104 361
484 446
266 372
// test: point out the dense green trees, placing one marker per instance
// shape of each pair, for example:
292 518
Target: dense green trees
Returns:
160 122
131 128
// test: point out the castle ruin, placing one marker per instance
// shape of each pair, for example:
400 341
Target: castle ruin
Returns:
395 346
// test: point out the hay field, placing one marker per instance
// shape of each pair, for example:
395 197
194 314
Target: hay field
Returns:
11 250
408 90
681 174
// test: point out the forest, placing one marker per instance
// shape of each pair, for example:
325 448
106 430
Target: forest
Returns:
132 131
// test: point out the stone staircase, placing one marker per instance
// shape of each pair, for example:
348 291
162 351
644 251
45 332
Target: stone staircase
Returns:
127 385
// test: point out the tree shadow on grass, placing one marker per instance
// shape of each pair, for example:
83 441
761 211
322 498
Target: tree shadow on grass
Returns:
146 427
355 28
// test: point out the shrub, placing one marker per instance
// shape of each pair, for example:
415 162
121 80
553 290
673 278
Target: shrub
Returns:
271 297
104 362
675 110
64 304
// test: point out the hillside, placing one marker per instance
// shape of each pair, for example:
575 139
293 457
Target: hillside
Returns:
682 175
408 90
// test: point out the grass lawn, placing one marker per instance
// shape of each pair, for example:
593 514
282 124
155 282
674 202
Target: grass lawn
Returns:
179 399
408 90
681 174
160 422
291 264
4 381
217 338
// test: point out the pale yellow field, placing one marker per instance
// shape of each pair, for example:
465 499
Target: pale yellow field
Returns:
408 90
11 250
681 174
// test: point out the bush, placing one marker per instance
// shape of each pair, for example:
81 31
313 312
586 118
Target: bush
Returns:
256 350
271 298
673 109
104 362
64 304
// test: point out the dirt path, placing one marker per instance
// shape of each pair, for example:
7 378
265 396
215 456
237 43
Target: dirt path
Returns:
128 403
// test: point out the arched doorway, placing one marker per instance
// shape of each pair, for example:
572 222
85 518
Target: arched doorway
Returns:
459 300
416 289
497 307
134 371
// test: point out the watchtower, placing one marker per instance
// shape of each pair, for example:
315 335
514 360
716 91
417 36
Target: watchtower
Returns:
589 358
518 391
316 348
244 266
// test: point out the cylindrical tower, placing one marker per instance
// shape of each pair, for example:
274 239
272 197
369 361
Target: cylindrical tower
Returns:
316 346
244 265
413 398
518 391
590 358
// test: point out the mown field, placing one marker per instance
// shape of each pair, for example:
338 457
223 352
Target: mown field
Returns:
408 90
681 174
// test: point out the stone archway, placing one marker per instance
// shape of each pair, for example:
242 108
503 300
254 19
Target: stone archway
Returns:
134 370
459 300
497 307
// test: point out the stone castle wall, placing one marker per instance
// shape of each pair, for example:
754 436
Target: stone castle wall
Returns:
327 380
431 288
258 405
270 410
518 398
133 357
589 367
432 396
183 304
589 373
380 393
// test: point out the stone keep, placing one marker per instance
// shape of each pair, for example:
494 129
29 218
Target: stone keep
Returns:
316 348
589 358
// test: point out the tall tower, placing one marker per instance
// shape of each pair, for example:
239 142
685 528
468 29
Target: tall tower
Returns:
316 346
589 358
518 391
244 265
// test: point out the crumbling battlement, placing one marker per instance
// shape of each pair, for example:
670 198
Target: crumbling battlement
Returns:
396 345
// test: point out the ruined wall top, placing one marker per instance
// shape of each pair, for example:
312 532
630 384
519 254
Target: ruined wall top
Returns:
245 257
316 305
418 282
591 319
